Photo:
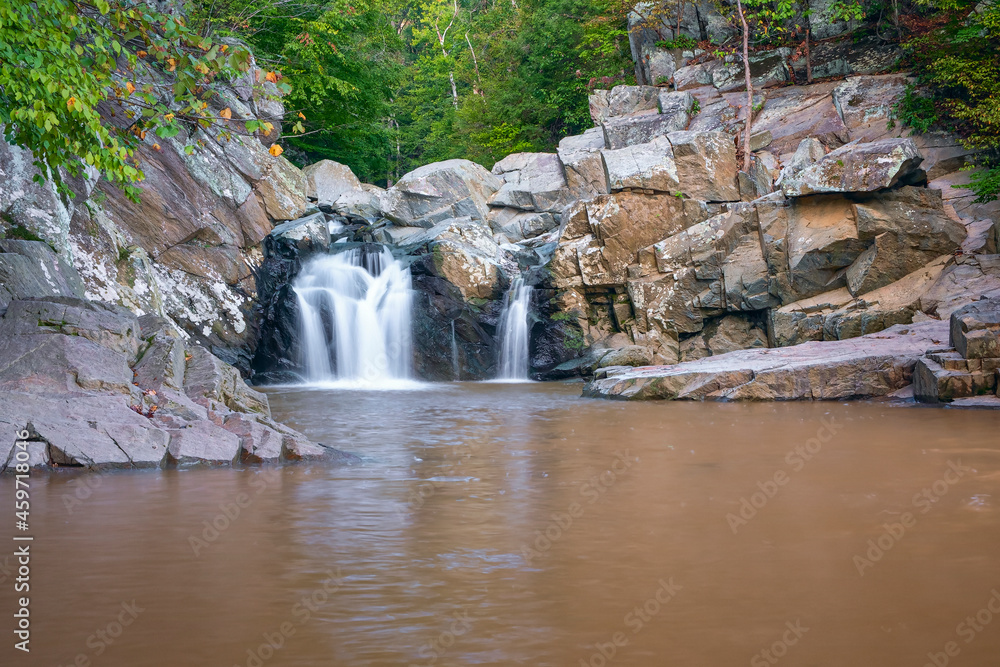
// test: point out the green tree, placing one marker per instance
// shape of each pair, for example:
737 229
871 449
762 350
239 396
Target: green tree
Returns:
65 65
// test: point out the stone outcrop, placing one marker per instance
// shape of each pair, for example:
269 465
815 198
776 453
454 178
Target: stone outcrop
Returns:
439 191
873 365
857 167
970 367
95 386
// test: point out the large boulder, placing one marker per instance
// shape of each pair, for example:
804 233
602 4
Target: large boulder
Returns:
334 185
584 167
624 223
462 251
873 365
622 101
706 165
857 167
440 191
807 243
799 112
647 166
327 180
531 182
975 329
638 128
908 228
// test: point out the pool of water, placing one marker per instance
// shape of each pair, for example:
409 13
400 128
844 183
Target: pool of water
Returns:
518 524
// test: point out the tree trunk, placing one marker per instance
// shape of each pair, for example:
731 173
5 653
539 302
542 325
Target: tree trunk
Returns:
746 72
454 90
680 15
808 59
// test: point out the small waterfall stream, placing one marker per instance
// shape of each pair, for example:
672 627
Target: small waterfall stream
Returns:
513 362
355 318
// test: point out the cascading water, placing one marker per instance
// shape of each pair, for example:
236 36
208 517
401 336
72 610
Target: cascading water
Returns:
513 360
355 318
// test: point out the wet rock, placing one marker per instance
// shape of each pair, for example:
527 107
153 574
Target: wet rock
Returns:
944 376
647 166
463 252
203 443
873 365
440 191
857 168
311 233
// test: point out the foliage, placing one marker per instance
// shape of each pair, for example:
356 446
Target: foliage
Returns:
679 42
67 65
915 110
957 62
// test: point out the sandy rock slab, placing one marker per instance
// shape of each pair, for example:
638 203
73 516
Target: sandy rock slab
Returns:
873 365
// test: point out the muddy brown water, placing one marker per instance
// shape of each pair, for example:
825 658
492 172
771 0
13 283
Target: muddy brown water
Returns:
522 525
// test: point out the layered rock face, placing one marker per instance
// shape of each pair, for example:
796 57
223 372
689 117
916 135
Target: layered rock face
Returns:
843 227
94 385
966 372
187 249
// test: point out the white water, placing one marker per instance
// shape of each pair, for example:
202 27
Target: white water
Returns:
356 321
513 362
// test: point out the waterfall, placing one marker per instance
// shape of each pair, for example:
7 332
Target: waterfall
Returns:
455 369
513 360
355 319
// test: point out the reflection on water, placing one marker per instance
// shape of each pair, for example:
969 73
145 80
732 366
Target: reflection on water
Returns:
519 524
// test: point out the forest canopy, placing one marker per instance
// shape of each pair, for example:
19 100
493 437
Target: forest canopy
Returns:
385 86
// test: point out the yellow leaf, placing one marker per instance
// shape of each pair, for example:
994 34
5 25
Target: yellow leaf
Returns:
70 103
226 113
141 54
272 77
275 150
130 87
302 115
172 64
169 117
156 147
